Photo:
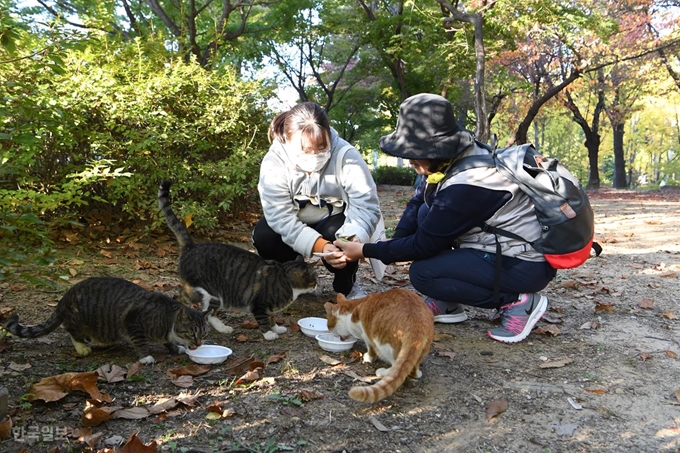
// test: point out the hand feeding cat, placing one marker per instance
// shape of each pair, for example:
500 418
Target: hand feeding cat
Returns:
105 311
395 325
217 275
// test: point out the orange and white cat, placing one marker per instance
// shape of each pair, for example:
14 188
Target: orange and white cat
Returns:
396 326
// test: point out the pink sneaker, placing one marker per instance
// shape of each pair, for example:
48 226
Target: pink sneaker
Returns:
519 318
444 312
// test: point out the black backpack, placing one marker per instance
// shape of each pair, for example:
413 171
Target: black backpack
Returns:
561 205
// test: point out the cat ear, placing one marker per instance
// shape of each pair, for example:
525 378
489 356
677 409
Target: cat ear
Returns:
329 307
341 298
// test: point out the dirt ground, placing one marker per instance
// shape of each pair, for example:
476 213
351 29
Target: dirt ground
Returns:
599 374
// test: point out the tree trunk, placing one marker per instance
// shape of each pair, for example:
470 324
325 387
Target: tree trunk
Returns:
619 158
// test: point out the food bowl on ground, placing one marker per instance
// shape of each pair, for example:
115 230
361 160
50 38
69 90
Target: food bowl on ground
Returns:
209 354
333 343
313 326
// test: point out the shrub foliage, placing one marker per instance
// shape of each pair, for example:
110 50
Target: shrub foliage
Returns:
398 176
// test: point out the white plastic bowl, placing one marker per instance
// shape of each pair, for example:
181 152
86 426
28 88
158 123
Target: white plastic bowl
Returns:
332 343
313 326
209 354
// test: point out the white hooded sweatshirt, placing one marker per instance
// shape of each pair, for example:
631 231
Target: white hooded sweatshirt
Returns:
283 187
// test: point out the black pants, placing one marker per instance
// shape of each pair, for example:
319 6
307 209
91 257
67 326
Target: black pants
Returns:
270 246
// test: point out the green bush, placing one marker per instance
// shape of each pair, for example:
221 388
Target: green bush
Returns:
99 130
397 176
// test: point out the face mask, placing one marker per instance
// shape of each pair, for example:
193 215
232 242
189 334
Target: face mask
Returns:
312 162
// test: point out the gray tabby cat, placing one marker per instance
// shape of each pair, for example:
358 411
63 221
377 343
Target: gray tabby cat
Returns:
106 311
225 276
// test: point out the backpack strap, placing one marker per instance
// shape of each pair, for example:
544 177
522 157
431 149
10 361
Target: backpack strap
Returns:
339 156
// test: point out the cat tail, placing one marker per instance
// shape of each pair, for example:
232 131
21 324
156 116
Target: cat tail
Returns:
48 326
176 225
406 361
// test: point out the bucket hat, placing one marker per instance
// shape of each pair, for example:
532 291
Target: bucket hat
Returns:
426 129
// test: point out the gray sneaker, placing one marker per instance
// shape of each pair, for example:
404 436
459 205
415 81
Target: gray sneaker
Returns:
519 318
356 293
445 312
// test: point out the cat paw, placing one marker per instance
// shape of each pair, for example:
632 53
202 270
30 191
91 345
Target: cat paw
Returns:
382 372
148 360
419 374
181 349
220 326
279 329
82 349
271 335
368 358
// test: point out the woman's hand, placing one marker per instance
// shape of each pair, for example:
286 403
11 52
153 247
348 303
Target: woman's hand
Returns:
353 251
338 259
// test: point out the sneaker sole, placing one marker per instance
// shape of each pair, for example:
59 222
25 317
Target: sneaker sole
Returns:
531 322
451 319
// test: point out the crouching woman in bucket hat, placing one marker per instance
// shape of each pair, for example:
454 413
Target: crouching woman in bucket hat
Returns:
454 261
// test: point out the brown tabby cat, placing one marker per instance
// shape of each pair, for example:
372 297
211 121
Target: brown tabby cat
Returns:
106 311
395 325
225 276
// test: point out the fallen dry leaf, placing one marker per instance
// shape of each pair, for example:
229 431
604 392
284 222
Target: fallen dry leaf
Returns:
134 369
164 405
677 395
605 306
54 388
645 356
592 325
552 319
669 315
596 391
19 366
570 284
241 338
669 274
249 324
189 370
548 330
131 413
309 395
94 414
495 408
671 354
329 360
293 326
250 377
135 445
449 354
183 381
187 399
646 303
276 358
106 253
379 426
355 376
239 365
556 363
6 429
111 373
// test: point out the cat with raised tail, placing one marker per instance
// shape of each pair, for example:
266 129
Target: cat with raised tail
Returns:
105 311
216 275
395 325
